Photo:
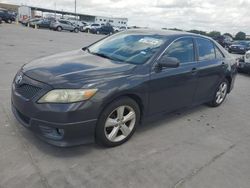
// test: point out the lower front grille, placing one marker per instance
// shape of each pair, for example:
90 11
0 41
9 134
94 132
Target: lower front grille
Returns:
27 91
23 117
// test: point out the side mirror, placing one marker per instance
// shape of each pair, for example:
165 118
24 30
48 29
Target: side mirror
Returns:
169 62
85 48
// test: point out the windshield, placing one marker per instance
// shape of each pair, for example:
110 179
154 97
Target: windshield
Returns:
132 48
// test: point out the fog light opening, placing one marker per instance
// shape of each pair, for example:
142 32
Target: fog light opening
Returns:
60 131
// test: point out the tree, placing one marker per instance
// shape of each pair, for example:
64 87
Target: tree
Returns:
240 36
198 32
214 34
175 29
228 34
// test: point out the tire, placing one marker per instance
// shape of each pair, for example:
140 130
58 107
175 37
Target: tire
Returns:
220 94
59 28
97 32
119 128
9 21
76 30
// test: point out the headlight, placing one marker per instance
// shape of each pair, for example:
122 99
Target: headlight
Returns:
67 95
242 48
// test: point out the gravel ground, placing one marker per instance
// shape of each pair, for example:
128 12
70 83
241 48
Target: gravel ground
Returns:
201 147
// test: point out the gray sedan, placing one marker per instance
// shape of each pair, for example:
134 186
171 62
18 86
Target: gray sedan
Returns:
60 25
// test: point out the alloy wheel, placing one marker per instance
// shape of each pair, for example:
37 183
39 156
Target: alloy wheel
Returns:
120 123
221 93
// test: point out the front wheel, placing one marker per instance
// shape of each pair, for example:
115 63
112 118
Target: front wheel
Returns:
76 30
117 122
220 95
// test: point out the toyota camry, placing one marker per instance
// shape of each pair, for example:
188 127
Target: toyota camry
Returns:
102 92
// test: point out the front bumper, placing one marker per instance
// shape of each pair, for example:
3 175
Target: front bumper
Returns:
58 124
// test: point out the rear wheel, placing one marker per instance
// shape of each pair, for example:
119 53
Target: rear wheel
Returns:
220 95
117 122
9 21
59 28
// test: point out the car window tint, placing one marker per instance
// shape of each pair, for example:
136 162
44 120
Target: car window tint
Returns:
205 49
218 53
182 49
128 47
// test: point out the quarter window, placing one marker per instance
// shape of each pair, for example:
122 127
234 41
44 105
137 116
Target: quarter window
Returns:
182 49
205 49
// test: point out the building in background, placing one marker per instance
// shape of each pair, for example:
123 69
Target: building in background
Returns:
118 22
27 12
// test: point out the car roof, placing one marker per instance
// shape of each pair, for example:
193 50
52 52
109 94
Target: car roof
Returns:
174 35
166 33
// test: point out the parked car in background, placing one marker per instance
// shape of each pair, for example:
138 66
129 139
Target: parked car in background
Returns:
244 63
116 29
90 27
122 28
28 22
106 30
223 41
43 23
60 25
79 24
240 47
7 16
103 91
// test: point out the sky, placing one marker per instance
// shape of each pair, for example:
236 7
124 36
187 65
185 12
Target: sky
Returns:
207 15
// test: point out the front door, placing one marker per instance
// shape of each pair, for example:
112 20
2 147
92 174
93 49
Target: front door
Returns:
174 88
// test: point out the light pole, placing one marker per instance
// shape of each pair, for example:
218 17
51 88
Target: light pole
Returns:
75 9
55 10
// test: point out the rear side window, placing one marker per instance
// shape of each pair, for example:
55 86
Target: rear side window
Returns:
218 53
182 49
205 49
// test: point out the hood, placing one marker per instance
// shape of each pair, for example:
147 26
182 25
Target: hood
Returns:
74 66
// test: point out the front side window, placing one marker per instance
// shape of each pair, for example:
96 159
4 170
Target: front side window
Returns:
135 48
182 49
205 49
218 53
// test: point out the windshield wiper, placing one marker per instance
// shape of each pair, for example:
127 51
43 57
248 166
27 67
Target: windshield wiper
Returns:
103 55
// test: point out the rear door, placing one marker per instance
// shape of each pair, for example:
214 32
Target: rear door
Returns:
174 88
211 69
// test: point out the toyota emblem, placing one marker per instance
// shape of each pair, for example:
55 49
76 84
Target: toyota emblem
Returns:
19 79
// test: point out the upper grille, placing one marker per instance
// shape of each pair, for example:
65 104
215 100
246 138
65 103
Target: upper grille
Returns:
27 91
